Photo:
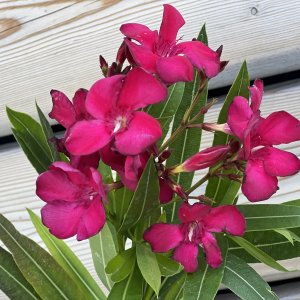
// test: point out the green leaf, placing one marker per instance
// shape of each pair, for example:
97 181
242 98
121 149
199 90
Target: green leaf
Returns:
68 260
172 287
271 242
48 134
167 266
205 282
121 265
293 202
258 254
148 266
242 280
129 289
223 190
286 233
12 281
145 199
29 134
40 269
104 248
270 216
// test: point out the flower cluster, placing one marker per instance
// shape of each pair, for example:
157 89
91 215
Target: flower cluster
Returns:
110 123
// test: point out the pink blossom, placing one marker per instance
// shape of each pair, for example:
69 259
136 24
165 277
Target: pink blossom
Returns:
258 135
67 113
203 159
159 53
199 221
74 201
113 102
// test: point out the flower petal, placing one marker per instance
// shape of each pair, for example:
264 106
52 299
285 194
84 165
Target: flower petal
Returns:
85 161
174 69
165 191
279 128
92 220
63 111
226 218
256 91
79 104
190 213
201 56
172 21
62 218
112 157
257 184
142 131
239 115
186 254
163 237
140 33
103 96
140 89
142 56
279 162
55 185
212 250
86 137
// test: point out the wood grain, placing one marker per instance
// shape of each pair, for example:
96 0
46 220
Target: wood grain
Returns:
17 179
56 44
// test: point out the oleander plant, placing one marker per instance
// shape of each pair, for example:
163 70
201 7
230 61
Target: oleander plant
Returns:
122 176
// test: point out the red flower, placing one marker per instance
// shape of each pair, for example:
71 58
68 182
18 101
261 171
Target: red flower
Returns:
74 201
198 223
159 53
264 164
113 102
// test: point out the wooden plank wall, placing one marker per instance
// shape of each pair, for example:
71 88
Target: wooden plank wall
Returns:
55 44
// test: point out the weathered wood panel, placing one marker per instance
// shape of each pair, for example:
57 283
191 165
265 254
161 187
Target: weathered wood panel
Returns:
17 178
55 44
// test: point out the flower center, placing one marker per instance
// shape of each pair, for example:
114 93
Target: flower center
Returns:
120 122
193 231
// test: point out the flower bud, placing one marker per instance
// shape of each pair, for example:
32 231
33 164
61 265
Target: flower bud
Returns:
203 159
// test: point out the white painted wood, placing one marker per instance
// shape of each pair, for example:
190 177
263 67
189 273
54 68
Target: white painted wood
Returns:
55 44
17 179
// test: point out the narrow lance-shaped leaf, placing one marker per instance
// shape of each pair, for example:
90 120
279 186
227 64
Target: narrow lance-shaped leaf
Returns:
48 134
223 190
40 269
12 281
172 287
242 280
121 265
145 199
29 134
188 143
205 282
68 260
271 242
130 288
148 266
258 254
270 216
167 266
104 248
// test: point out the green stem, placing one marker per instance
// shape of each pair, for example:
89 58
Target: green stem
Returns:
121 244
199 183
149 293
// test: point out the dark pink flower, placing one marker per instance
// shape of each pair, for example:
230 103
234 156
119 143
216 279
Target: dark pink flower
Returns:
67 113
114 102
74 201
203 159
159 53
199 221
258 135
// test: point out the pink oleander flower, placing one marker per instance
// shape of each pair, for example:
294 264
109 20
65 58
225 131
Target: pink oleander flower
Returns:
203 159
159 53
74 201
113 103
258 135
67 113
199 221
